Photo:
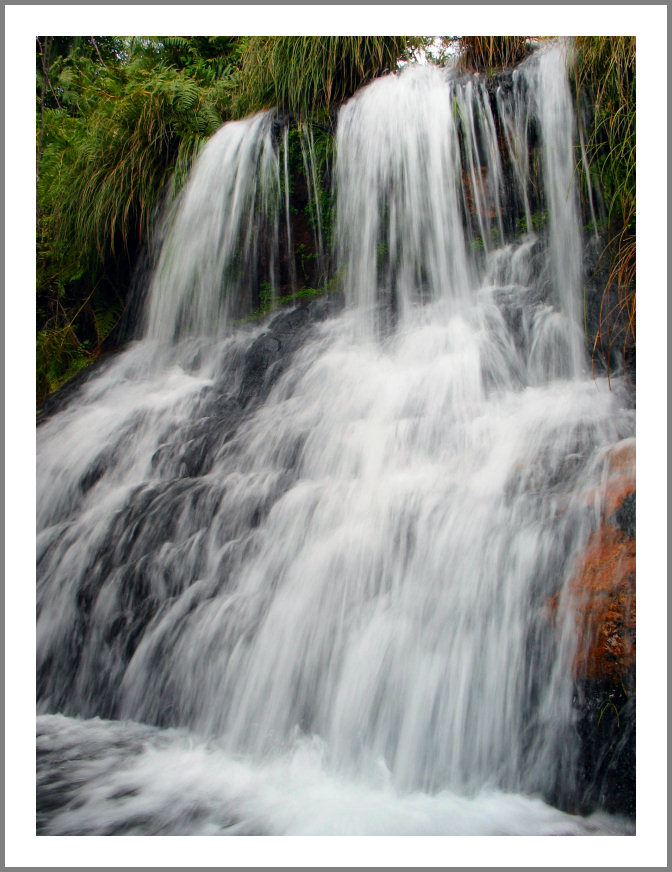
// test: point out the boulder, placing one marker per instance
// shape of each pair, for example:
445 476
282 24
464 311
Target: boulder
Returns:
601 592
601 595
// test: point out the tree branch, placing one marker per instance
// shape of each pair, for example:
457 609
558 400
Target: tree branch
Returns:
95 45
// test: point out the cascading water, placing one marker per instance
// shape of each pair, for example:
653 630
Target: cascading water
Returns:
214 249
301 570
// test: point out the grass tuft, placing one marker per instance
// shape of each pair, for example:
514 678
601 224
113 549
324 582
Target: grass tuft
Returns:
488 53
604 73
308 75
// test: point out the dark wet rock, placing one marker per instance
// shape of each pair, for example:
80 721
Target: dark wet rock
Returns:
607 738
270 354
602 597
625 516
286 324
151 552
326 305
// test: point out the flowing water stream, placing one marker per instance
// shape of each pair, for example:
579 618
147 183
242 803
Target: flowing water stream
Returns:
292 577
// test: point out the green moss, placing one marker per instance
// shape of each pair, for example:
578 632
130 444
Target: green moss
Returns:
539 220
304 293
59 356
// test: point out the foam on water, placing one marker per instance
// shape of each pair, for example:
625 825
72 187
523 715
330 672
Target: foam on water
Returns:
133 780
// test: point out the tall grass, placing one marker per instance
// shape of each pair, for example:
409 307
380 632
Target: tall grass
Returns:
490 53
306 75
604 73
104 168
116 132
108 148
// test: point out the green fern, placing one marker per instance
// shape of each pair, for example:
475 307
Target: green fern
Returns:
106 320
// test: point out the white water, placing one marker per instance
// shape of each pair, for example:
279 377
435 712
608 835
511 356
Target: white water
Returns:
211 253
399 224
337 594
140 781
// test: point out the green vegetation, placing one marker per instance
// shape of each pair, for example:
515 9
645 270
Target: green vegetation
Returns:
491 53
311 75
604 75
120 120
537 219
268 305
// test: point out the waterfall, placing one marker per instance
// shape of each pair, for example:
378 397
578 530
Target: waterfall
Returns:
310 171
399 221
293 577
211 256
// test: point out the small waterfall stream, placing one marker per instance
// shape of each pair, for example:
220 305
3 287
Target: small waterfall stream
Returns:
293 576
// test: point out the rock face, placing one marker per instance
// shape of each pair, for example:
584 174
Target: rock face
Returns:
602 597
153 511
603 589
270 353
604 593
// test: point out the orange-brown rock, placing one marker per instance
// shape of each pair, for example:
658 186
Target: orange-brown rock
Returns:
482 184
621 480
621 458
601 593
